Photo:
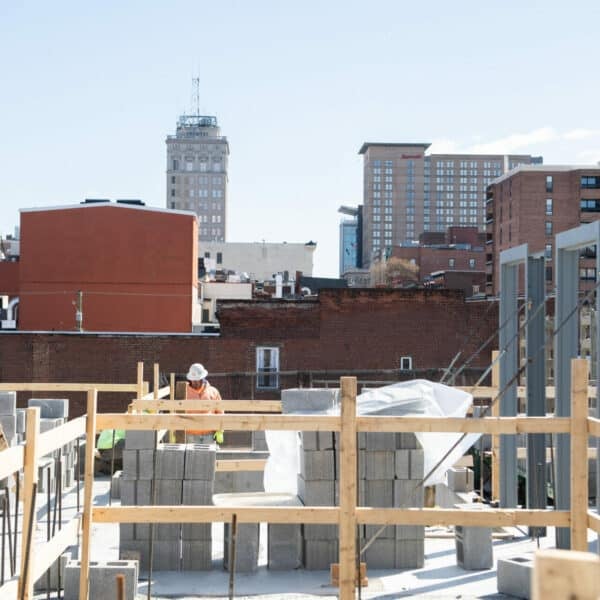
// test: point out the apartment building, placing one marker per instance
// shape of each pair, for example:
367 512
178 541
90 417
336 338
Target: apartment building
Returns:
197 157
531 204
407 191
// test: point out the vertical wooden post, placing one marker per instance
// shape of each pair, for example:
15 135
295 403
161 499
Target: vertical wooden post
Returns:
495 437
579 458
140 380
156 380
30 477
88 489
172 387
348 484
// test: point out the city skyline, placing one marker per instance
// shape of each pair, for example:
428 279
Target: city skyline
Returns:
84 118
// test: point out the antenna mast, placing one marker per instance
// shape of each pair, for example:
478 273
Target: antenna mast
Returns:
196 95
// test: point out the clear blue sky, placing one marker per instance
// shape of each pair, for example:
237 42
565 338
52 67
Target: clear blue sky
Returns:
90 90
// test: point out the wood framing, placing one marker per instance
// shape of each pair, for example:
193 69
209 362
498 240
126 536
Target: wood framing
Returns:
495 412
243 406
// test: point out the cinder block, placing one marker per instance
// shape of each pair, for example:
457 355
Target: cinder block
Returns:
51 408
406 441
381 554
196 492
380 464
284 547
126 532
417 464
128 492
318 555
388 532
410 532
259 441
319 532
8 403
9 426
196 555
460 479
47 424
168 492
408 493
115 490
377 492
410 554
167 555
380 441
309 440
102 578
45 466
200 461
514 576
308 399
168 531
317 465
246 554
170 461
402 464
196 532
20 413
140 440
316 493
130 464
474 547
248 481
135 493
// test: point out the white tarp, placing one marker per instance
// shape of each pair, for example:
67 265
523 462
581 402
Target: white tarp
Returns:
418 397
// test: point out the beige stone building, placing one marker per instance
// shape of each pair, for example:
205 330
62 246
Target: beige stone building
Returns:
197 157
407 191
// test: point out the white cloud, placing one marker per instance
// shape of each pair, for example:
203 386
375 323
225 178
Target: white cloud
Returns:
516 141
444 146
591 156
581 134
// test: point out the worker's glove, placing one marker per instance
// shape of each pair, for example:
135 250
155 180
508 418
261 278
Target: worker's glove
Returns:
218 437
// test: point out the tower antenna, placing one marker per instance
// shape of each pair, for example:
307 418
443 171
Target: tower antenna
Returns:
196 95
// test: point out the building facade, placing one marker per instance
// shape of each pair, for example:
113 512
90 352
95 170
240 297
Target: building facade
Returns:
531 204
407 192
197 159
350 238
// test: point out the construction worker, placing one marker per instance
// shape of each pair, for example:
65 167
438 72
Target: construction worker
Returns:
198 388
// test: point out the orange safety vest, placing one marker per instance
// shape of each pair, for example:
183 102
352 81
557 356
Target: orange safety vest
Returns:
208 393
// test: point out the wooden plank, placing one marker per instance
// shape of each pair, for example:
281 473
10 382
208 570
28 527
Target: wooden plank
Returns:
482 391
209 514
579 461
250 464
88 491
495 412
172 387
593 520
594 426
522 453
140 379
245 406
217 422
464 461
49 551
149 396
348 489
30 478
67 387
565 575
156 380
58 437
12 461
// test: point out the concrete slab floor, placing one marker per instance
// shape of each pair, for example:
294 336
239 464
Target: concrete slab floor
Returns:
440 577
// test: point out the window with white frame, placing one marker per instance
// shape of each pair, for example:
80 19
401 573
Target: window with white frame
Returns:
406 363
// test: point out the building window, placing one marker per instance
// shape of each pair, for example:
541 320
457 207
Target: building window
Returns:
471 263
548 251
175 165
549 183
219 258
451 262
172 178
172 204
406 363
589 205
172 192
590 182
267 368
216 167
189 165
549 206
548 227
587 274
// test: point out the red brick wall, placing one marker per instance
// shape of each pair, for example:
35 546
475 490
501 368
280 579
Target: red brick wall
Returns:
9 278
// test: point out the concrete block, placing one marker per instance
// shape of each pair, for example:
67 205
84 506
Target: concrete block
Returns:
316 465
9 426
170 461
102 577
196 492
8 403
410 532
410 554
167 555
318 555
45 466
140 440
168 491
408 494
51 408
145 464
126 532
57 566
130 464
381 554
473 544
380 464
196 555
168 531
388 533
196 532
460 479
406 441
380 441
200 461
417 464
377 492
128 492
316 493
46 424
309 440
402 464
20 413
259 441
319 532
514 576
246 553
135 493
308 399
136 550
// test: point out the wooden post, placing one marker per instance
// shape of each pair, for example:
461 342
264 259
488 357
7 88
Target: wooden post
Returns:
172 387
30 477
156 380
348 484
564 575
140 380
579 458
88 489
495 438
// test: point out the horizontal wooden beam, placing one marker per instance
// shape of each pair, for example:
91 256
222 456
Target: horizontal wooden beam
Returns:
11 460
243 406
47 552
594 426
249 464
162 392
67 387
483 391
61 435
593 521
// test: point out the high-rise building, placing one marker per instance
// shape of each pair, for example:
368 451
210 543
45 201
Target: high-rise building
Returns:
197 157
350 238
407 191
533 203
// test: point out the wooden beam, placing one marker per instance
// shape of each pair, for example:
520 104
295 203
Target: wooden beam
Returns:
565 575
495 412
172 387
88 492
67 387
56 438
30 478
244 406
579 460
594 426
348 489
522 453
483 392
250 464
49 551
593 521
140 379
12 461
156 380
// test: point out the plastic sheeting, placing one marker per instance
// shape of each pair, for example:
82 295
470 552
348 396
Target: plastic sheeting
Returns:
418 397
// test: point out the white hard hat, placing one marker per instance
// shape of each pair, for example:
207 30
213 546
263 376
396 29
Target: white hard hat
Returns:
196 372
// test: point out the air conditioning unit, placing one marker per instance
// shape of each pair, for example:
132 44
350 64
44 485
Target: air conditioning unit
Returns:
8 324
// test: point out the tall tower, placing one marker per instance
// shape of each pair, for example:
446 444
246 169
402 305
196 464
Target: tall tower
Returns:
197 157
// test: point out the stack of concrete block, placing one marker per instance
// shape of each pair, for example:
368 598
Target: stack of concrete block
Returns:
103 579
473 544
58 566
231 482
8 416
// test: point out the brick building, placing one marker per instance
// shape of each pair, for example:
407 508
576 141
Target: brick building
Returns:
136 268
531 204
368 331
